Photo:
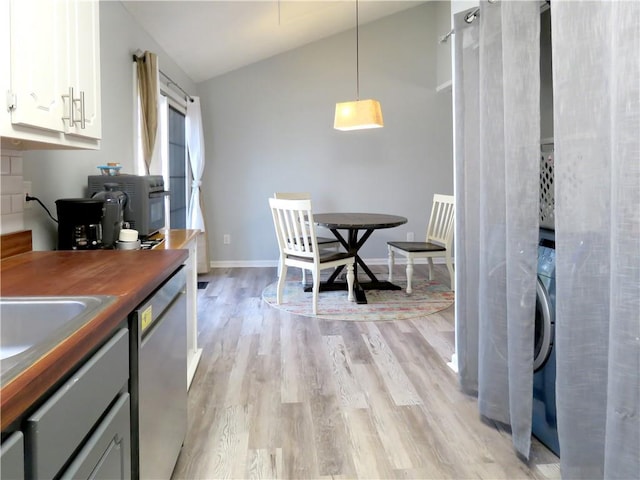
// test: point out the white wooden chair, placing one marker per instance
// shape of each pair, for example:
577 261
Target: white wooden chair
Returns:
296 232
438 242
323 242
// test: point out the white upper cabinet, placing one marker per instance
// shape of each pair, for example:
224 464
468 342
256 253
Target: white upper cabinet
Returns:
36 66
84 68
53 98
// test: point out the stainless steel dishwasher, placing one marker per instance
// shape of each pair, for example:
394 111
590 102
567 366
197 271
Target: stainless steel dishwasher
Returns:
159 379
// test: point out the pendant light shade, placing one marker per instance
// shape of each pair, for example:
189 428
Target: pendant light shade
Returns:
358 115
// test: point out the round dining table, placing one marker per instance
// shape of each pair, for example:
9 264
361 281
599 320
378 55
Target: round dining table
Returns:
354 224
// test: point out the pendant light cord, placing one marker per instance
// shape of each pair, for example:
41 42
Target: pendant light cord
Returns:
357 55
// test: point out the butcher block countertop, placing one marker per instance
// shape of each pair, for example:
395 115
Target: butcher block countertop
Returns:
129 275
175 238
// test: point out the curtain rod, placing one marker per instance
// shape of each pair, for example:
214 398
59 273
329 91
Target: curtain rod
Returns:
170 81
469 18
473 14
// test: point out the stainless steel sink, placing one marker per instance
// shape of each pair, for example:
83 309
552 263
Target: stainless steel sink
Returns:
30 326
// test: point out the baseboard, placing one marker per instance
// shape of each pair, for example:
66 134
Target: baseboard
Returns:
453 364
274 263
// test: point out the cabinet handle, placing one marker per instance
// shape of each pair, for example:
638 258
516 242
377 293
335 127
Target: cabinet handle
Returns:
82 116
72 104
71 100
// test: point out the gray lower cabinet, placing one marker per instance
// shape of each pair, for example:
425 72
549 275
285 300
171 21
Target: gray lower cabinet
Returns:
82 430
12 457
107 454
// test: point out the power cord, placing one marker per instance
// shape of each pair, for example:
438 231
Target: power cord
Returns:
29 198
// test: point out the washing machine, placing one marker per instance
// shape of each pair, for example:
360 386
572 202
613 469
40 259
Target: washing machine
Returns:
544 425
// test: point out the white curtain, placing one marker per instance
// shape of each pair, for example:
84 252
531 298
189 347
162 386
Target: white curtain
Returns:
195 145
596 71
497 95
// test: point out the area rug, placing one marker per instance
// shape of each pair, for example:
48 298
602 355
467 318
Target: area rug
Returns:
383 305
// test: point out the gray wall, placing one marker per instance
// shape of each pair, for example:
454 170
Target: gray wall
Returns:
62 173
269 127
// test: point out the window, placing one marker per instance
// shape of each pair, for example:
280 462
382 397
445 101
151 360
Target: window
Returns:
170 154
177 169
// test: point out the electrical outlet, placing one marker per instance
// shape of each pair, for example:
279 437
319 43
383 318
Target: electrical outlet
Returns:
410 237
227 239
26 190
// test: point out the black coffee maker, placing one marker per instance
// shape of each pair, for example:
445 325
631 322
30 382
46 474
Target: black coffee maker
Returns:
79 223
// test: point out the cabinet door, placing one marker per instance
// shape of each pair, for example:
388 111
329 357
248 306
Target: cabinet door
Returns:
12 457
56 429
107 454
84 68
38 62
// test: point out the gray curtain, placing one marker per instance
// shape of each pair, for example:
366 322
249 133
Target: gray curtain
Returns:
596 71
497 189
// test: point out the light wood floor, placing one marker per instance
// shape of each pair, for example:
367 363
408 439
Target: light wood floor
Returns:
284 396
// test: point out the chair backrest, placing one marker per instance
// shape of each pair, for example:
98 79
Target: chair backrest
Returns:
293 195
441 222
293 221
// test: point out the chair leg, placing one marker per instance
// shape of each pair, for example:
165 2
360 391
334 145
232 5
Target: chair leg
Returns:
451 273
304 277
430 261
281 281
409 273
316 289
390 262
350 281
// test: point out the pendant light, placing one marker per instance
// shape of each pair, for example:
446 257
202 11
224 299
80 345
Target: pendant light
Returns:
358 114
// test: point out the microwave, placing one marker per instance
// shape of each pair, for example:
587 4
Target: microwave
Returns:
144 210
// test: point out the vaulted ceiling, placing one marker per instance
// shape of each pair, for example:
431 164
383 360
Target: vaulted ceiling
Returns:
209 38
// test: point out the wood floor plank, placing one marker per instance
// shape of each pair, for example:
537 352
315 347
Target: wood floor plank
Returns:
349 392
270 333
436 457
393 434
299 452
241 371
233 434
290 397
264 464
398 385
264 397
291 386
354 343
439 338
365 447
331 437
313 363
221 453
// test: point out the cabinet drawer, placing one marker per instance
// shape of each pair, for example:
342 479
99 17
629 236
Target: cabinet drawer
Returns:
57 428
12 457
107 454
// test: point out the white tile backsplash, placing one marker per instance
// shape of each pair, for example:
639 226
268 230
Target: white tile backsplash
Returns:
5 201
11 186
5 165
16 165
17 203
